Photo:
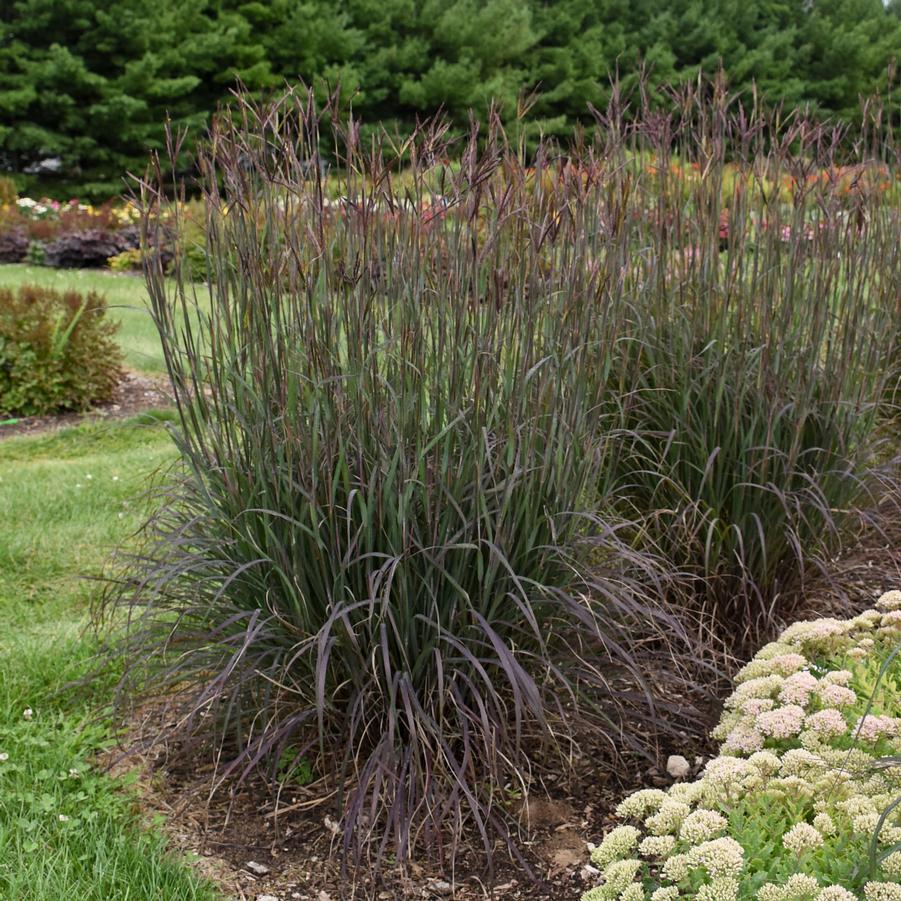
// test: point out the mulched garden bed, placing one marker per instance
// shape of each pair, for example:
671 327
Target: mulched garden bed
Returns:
135 394
253 848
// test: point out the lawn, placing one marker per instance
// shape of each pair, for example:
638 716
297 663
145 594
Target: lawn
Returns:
127 299
67 830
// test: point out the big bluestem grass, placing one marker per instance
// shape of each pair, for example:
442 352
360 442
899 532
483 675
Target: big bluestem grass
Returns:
450 440
764 287
384 551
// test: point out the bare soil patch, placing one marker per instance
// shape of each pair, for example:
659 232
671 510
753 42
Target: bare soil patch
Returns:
136 393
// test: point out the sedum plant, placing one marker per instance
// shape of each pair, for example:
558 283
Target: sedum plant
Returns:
790 807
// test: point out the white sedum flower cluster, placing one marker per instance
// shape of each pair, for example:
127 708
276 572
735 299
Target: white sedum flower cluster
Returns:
788 809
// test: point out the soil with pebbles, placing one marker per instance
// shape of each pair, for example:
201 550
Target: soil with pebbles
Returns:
252 851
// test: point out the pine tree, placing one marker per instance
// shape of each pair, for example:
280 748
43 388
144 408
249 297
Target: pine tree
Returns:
85 85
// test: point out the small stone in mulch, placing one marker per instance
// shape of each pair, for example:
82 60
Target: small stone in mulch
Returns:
677 766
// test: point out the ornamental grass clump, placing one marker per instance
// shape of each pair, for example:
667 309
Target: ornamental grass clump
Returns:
801 812
446 426
381 554
760 345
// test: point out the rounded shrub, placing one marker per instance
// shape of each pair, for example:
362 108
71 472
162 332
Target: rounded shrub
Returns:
88 248
13 245
57 351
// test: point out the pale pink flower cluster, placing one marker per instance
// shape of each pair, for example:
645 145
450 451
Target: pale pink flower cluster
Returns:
668 819
655 846
783 722
798 688
719 857
872 728
834 695
760 687
765 762
745 739
867 620
780 664
800 762
728 771
641 803
798 886
723 888
701 825
836 893
837 677
815 631
824 824
757 705
616 845
882 891
891 600
828 723
802 837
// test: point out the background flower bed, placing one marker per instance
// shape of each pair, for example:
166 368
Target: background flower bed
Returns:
797 807
66 235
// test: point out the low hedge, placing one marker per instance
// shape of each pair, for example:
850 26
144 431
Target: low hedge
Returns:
57 351
798 806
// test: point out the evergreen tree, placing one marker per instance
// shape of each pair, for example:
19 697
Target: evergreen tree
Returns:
86 86
846 47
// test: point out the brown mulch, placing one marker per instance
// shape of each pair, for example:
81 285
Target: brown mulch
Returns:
136 393
250 850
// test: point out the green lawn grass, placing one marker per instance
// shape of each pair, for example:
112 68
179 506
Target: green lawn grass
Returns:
67 830
127 299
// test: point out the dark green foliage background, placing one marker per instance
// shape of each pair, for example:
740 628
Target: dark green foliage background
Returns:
90 82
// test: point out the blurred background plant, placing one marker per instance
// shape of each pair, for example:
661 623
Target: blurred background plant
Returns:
65 235
57 351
